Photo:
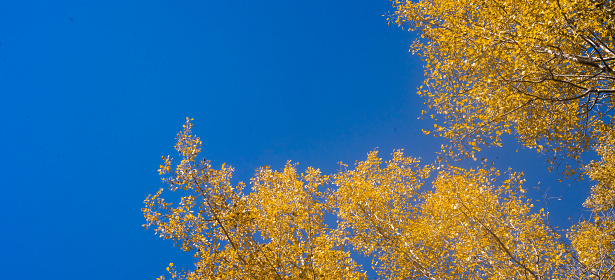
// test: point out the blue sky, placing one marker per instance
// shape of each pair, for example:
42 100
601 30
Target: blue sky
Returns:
93 93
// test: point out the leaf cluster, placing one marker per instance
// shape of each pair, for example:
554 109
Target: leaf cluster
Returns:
539 70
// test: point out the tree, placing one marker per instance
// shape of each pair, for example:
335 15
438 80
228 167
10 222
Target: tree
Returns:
276 232
541 70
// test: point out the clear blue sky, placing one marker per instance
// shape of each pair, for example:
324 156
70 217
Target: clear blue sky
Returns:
93 93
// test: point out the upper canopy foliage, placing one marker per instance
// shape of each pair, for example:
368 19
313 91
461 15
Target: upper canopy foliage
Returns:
539 69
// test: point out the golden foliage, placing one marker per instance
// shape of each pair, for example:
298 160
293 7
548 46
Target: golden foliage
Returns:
467 225
603 172
539 69
276 232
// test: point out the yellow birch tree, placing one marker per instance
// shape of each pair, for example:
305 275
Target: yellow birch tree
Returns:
541 70
276 232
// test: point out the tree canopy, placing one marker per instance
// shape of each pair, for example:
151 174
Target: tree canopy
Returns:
541 71
471 224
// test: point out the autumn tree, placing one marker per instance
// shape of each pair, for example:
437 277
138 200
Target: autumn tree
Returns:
541 70
276 232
